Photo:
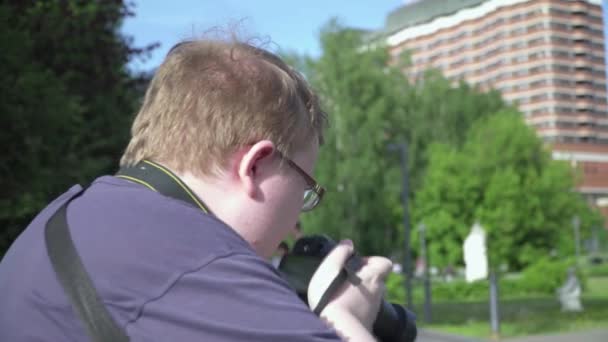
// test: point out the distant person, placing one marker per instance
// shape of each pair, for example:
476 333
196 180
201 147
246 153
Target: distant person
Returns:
297 230
282 250
449 273
215 175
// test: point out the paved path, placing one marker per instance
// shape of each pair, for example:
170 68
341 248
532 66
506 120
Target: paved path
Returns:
597 335
433 336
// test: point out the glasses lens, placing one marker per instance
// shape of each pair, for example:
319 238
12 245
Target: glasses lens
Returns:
310 200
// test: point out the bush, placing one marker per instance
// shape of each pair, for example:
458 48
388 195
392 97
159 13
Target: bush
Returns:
542 278
461 290
453 291
394 288
546 276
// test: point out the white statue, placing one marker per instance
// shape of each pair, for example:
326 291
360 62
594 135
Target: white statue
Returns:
475 257
570 293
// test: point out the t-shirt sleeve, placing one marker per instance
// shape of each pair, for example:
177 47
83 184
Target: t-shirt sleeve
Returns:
234 298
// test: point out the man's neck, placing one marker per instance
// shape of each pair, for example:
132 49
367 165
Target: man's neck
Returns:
223 203
206 189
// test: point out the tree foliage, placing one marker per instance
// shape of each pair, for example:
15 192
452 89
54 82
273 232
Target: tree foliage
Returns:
364 98
504 178
372 104
67 99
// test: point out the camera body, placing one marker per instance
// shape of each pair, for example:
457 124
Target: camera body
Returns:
393 323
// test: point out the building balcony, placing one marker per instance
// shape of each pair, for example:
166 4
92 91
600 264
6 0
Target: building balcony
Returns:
583 74
586 89
588 133
573 118
581 35
592 109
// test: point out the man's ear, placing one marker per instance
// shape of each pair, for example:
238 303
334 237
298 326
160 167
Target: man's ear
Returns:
250 165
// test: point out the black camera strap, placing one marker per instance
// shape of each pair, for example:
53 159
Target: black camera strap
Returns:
77 283
68 266
75 280
331 290
160 179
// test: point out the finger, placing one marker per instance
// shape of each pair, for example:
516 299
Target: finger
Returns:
335 260
333 263
376 267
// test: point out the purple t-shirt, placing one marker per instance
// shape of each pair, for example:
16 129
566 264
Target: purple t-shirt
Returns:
165 270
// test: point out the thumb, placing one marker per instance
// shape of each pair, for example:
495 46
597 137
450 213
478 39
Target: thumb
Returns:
328 271
335 260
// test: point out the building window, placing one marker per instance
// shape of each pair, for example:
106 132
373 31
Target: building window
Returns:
520 72
535 27
538 69
560 40
559 26
541 110
561 68
458 63
536 41
579 12
518 45
519 59
516 17
537 55
560 54
538 83
539 97
518 31
562 96
557 11
564 109
562 82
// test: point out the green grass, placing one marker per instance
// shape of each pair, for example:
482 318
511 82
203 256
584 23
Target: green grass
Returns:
597 270
518 317
596 288
522 316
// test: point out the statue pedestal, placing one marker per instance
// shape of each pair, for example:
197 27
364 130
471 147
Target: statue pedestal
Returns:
571 304
569 294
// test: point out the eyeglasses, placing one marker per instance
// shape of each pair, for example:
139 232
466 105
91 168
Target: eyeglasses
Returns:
314 193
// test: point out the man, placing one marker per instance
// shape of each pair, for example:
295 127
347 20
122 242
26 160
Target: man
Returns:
237 132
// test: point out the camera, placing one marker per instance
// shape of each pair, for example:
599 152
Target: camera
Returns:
394 323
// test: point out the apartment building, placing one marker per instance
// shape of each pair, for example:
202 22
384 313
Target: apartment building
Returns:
546 56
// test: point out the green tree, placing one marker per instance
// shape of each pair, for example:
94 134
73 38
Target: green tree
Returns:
443 112
364 98
372 104
67 99
503 177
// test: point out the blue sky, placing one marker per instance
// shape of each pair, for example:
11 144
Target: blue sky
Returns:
605 10
291 25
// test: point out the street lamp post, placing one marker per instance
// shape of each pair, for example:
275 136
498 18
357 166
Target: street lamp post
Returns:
576 224
494 302
427 278
407 264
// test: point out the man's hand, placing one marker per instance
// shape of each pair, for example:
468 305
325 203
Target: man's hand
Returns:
351 305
